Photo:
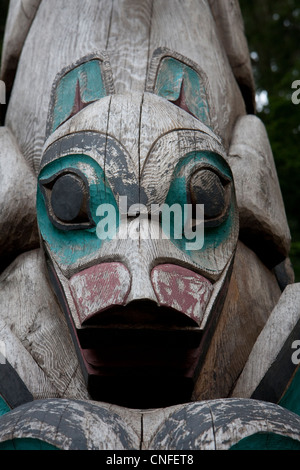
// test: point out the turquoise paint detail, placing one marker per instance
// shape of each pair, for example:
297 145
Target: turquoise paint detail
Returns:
70 246
291 398
91 88
266 441
26 444
171 74
213 236
4 408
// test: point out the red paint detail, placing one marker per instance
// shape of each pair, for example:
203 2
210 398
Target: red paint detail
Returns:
182 289
78 103
99 287
181 100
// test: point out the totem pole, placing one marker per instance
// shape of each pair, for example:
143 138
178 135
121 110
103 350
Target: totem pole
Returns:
147 300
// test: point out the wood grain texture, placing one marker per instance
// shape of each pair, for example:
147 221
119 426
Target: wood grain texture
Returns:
246 309
19 20
181 289
130 44
71 425
18 226
99 288
269 367
38 342
142 137
219 425
182 82
189 28
58 37
263 222
211 425
230 28
139 157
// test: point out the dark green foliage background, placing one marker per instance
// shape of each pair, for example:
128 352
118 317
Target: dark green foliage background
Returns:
273 31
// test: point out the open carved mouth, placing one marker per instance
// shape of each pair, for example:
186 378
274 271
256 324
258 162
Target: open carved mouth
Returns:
147 351
137 355
136 339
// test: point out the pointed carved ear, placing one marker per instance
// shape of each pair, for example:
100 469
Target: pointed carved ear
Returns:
180 81
78 85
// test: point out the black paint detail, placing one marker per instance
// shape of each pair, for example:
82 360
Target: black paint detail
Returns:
284 273
69 421
67 197
280 373
86 141
12 388
132 367
213 190
206 188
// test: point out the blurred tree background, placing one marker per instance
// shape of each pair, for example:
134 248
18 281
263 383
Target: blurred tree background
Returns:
273 31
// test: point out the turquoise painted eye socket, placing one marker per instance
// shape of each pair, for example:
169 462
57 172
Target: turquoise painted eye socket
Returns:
67 198
204 179
72 236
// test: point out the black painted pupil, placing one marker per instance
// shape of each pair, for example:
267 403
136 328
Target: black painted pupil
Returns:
206 188
67 197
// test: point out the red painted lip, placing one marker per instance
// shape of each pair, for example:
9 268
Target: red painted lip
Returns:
117 338
182 289
98 290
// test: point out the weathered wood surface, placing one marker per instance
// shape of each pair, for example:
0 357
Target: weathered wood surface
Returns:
130 43
72 425
228 351
263 222
20 17
139 171
18 226
246 309
175 82
211 425
269 367
38 342
229 20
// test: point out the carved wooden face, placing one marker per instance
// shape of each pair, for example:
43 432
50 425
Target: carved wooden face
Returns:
120 181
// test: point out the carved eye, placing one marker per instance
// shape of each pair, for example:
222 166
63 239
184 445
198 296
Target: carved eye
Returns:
67 200
212 190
